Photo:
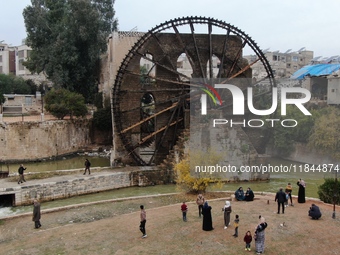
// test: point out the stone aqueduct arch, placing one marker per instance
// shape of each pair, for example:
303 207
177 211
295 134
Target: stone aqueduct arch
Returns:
121 75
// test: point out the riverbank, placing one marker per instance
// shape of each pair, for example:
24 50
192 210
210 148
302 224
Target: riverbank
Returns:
112 228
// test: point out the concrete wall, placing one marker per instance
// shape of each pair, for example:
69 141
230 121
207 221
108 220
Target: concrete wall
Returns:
28 141
70 185
303 154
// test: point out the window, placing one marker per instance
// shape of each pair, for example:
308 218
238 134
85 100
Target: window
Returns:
21 66
21 54
295 58
288 65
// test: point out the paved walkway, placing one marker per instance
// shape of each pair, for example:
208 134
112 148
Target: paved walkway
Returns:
5 183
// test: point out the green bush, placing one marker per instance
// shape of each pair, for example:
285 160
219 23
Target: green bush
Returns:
61 102
328 191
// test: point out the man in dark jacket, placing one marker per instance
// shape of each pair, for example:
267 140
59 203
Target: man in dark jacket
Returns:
314 212
36 214
21 174
281 199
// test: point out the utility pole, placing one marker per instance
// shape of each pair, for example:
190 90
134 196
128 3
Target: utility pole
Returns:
335 193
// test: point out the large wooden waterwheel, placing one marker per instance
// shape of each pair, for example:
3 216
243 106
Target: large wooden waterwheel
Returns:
151 90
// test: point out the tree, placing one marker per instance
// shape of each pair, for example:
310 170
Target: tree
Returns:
67 38
326 191
326 139
102 119
325 136
190 182
61 102
11 84
285 137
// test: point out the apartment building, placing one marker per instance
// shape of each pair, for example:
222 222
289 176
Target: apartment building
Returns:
283 64
7 59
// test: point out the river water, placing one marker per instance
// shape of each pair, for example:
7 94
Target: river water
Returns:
277 180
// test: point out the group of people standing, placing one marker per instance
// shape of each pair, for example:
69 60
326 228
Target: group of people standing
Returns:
283 197
259 235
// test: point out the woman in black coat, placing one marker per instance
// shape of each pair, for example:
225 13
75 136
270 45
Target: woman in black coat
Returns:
301 194
207 219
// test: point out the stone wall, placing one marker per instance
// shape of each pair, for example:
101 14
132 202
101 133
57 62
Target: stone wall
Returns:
29 141
301 153
68 186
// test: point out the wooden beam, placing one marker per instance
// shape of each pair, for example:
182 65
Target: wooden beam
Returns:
148 118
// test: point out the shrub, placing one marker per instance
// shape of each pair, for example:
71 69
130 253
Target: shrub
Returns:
102 119
196 184
329 190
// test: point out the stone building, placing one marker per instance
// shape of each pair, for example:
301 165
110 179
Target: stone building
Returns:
283 64
7 59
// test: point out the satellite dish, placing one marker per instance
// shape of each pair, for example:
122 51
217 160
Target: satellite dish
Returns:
303 48
288 51
316 58
331 58
266 50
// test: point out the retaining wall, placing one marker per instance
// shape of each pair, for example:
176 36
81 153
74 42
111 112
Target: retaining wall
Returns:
72 185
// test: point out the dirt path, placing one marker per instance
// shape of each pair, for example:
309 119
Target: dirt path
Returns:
112 228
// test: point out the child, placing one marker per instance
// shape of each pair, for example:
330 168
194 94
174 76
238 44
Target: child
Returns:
184 209
289 190
236 221
247 239
287 197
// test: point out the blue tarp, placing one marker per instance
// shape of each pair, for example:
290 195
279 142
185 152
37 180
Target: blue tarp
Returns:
315 70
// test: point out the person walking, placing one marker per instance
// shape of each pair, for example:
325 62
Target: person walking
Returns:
289 190
36 214
200 202
260 235
184 209
21 174
301 193
87 166
207 219
247 239
227 210
280 198
142 221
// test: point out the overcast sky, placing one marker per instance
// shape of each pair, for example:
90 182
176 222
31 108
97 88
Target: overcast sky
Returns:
278 25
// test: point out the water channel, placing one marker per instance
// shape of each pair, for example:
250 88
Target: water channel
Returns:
277 180
69 162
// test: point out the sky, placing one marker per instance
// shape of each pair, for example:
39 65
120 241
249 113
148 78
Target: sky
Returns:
273 24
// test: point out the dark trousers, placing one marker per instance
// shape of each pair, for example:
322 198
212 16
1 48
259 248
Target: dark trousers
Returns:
21 178
290 197
236 231
184 216
87 168
247 245
278 207
200 207
142 227
37 224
